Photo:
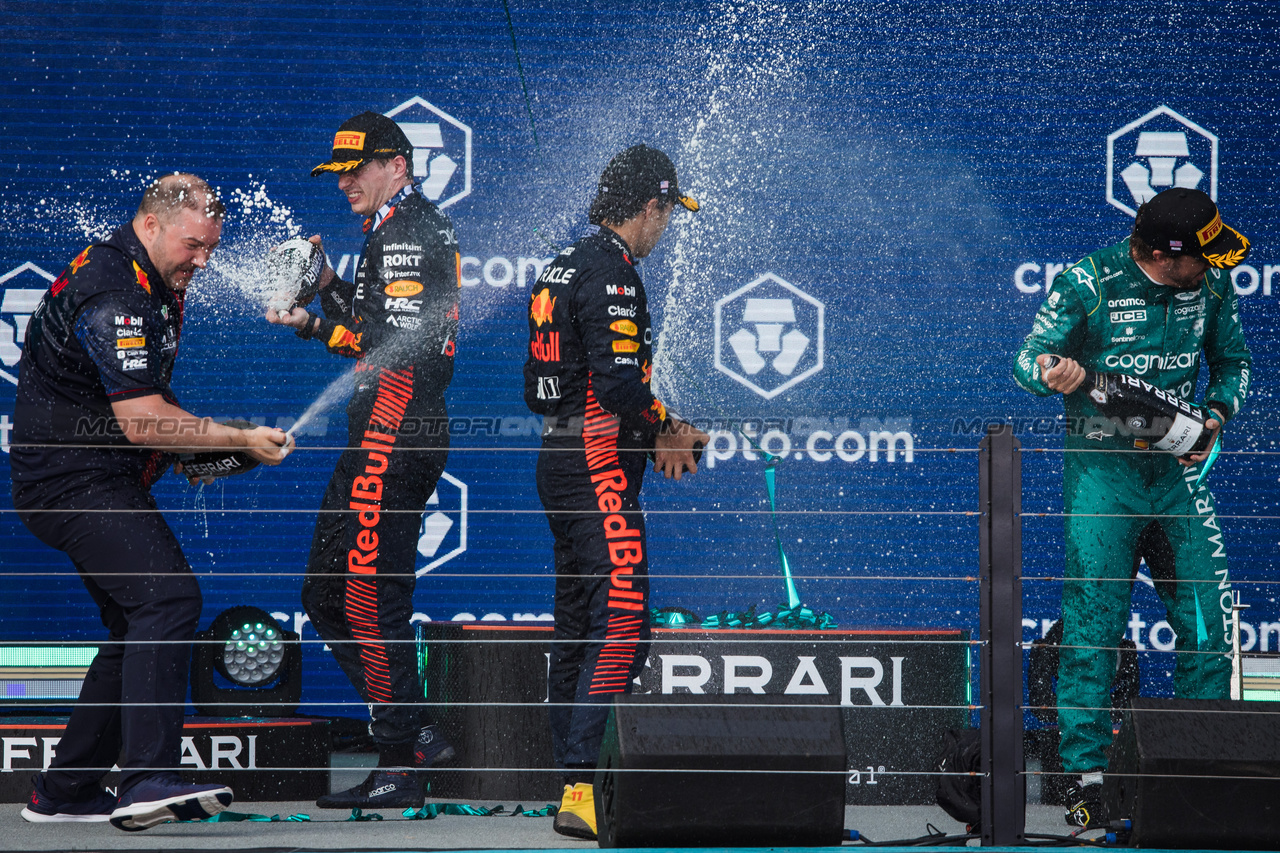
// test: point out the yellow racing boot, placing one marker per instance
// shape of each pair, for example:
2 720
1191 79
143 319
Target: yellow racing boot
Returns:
577 815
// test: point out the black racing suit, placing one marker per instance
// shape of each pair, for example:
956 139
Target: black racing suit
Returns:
399 320
588 374
107 329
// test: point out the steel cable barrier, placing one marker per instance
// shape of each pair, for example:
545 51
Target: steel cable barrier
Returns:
1153 681
869 567
732 625
270 713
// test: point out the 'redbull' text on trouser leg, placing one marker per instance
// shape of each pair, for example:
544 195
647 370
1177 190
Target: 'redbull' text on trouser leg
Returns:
601 610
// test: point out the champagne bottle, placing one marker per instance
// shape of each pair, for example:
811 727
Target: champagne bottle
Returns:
293 271
218 463
1164 420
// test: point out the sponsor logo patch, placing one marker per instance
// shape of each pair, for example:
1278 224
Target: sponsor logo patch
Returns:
1206 234
403 288
348 139
542 306
81 260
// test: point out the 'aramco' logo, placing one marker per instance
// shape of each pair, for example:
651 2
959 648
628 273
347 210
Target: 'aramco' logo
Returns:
443 534
1158 151
21 289
774 335
441 149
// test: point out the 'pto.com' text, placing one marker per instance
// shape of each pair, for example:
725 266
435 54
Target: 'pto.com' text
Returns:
820 445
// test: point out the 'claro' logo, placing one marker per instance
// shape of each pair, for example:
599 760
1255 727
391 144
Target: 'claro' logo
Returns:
403 288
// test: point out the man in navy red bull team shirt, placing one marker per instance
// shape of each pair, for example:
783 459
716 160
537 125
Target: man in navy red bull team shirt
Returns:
96 423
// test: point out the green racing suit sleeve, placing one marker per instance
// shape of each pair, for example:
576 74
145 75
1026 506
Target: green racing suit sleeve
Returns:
1226 353
1059 328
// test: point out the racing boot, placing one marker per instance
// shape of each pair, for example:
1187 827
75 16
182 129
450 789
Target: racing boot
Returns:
1084 803
385 788
577 815
432 749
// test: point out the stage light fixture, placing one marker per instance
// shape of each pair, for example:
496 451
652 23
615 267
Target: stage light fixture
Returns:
253 654
245 664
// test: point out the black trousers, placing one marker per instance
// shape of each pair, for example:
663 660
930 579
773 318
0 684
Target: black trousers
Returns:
360 576
602 631
132 701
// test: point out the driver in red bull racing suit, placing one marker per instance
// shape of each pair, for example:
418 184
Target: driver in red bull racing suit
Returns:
399 321
1147 307
588 371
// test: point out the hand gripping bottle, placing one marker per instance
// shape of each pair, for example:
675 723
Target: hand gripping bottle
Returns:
293 271
219 463
1166 420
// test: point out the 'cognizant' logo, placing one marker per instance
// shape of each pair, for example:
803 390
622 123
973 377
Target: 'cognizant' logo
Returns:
1142 362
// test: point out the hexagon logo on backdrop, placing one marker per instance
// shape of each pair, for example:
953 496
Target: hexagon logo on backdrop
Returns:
769 335
1159 151
443 533
441 149
21 289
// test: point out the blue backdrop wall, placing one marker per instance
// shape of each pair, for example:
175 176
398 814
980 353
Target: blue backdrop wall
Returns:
908 175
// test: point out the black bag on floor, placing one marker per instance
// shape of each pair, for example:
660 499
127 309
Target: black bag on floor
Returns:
961 796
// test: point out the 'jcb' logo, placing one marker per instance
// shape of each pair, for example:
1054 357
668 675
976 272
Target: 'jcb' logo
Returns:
1139 316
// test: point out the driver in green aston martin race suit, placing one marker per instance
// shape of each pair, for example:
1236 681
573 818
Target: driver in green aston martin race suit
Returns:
1147 307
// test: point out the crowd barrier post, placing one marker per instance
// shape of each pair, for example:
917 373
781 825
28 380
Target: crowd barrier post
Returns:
1004 800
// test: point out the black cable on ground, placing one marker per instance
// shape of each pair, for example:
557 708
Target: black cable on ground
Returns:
933 839
1066 840
937 839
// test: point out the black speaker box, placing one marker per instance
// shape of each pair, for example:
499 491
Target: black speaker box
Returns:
704 771
1198 773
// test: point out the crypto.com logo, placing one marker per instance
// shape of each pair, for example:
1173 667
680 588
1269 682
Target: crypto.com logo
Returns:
774 335
443 534
441 150
17 303
1158 151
